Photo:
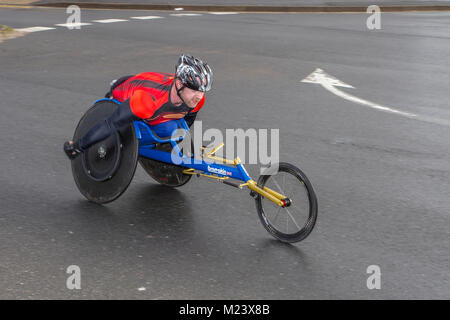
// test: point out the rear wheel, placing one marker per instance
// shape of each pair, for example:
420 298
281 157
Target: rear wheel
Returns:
167 174
294 222
104 171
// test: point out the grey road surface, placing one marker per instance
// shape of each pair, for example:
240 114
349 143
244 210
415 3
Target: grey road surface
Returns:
382 179
266 2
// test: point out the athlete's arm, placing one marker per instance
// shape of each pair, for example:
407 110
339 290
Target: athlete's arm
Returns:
190 118
142 104
121 117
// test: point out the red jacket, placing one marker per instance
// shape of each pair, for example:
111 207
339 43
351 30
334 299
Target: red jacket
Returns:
148 94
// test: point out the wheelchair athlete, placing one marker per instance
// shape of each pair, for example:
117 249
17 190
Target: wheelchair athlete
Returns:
156 98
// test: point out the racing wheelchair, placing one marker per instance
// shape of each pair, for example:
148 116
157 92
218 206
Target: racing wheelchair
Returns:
285 199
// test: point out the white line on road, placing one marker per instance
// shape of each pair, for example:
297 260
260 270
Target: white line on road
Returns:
34 29
330 83
223 13
109 20
185 14
147 17
73 25
79 24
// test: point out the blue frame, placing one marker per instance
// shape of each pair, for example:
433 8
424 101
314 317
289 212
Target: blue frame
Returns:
147 143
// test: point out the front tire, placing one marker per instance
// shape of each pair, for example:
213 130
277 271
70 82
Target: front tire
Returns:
297 220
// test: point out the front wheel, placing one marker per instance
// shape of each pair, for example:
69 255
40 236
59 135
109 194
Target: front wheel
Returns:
295 222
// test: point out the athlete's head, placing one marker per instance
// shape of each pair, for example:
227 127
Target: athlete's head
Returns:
190 97
193 78
194 73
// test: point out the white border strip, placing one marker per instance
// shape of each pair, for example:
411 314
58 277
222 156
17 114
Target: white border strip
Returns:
185 14
223 13
147 17
34 29
73 25
109 20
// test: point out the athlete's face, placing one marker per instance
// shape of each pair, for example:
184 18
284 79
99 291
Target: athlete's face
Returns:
189 96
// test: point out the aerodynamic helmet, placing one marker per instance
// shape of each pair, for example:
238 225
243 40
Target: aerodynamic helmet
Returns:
194 73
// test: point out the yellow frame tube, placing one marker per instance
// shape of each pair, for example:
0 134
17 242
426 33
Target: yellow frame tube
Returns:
216 148
210 155
267 193
221 159
251 184
192 172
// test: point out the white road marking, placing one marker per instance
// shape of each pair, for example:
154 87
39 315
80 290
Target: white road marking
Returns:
79 24
147 17
330 83
109 20
34 29
223 13
319 76
185 14
73 25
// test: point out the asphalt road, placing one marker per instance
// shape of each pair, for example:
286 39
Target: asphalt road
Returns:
265 2
382 179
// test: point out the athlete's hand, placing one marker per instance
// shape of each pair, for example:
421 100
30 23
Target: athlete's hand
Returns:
71 150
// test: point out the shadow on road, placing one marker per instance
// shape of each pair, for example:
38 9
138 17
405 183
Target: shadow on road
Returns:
148 212
292 250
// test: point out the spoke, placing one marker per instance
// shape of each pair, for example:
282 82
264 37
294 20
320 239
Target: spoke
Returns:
305 199
290 215
276 217
278 186
299 210
287 223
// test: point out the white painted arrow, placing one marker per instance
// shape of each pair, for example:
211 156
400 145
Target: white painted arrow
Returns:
330 83
319 76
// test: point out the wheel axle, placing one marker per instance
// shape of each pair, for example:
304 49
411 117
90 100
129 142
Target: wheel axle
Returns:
286 202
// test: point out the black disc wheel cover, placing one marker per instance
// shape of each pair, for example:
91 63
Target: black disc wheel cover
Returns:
104 171
101 161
